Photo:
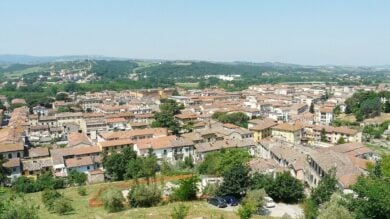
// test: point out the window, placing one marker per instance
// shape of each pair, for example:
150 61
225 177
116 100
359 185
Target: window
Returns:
9 156
18 154
87 167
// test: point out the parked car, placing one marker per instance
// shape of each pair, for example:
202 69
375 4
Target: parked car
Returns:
231 200
263 211
269 202
217 201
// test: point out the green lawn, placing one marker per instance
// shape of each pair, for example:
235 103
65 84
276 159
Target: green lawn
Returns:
82 209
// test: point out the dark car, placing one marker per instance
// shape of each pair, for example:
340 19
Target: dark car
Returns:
231 200
217 201
263 211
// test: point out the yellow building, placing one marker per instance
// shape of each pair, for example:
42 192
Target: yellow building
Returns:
262 129
288 132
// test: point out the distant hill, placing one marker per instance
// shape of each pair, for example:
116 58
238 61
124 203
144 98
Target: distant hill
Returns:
27 59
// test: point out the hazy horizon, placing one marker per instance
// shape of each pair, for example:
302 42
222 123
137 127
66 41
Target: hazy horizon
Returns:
349 33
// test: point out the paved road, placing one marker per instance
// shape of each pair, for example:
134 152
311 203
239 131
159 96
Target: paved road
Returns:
281 209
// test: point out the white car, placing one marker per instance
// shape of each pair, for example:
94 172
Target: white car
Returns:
269 202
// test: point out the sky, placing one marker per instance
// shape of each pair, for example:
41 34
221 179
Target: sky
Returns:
315 32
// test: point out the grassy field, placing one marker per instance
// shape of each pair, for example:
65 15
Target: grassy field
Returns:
17 74
379 119
347 117
82 210
187 85
378 149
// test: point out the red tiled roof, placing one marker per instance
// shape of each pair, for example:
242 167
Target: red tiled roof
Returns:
8 147
78 162
287 127
113 143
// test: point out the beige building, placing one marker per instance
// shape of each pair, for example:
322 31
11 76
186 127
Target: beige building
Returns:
332 134
288 132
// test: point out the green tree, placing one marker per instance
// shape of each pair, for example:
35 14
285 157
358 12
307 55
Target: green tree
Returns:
260 180
323 135
166 117
2 106
335 209
4 172
321 194
326 187
76 178
311 109
142 167
150 167
116 164
286 188
175 93
24 185
62 96
239 118
189 162
341 140
47 181
235 182
64 109
337 110
71 87
373 192
218 163
187 189
387 107
371 107
134 169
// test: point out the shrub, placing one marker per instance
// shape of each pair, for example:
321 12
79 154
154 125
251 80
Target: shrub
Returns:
187 189
62 206
113 200
180 212
82 191
144 196
24 184
15 206
245 211
255 197
49 196
47 181
210 189
309 209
